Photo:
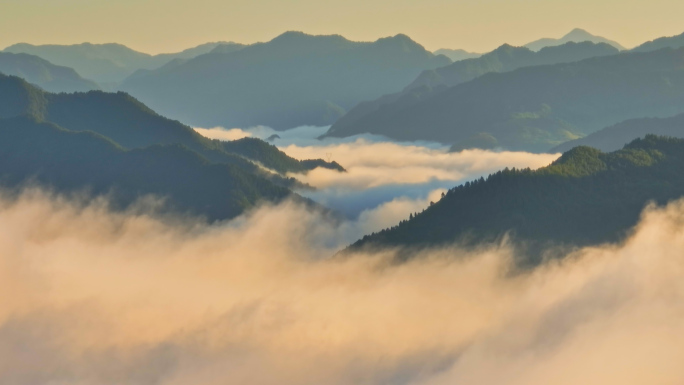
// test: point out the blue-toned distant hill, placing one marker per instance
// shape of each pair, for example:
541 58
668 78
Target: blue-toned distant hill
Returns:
44 74
105 142
663 42
108 63
292 80
577 35
378 116
586 197
457 54
615 137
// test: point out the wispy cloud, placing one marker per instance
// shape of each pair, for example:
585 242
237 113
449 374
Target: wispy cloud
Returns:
89 296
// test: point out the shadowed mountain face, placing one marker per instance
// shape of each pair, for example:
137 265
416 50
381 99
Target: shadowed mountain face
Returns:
432 83
106 142
106 63
44 74
584 198
663 42
615 137
131 124
537 108
293 80
457 54
577 35
67 161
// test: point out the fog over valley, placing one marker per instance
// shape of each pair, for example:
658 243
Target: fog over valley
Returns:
354 193
92 296
379 170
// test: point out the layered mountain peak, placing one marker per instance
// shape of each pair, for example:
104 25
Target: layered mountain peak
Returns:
577 35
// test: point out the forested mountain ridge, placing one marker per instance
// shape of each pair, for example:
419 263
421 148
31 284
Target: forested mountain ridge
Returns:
586 197
560 102
38 152
433 82
293 80
131 124
50 77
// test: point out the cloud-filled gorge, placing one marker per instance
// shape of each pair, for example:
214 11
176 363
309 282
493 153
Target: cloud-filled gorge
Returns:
380 171
89 296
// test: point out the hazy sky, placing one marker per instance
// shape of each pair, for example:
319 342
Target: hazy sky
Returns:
478 25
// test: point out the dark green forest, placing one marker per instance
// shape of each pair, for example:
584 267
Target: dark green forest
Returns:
106 143
586 197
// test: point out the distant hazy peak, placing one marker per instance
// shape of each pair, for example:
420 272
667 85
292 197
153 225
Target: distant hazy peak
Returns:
576 35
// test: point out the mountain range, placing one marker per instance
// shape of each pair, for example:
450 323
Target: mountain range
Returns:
586 197
292 80
111 143
107 63
508 98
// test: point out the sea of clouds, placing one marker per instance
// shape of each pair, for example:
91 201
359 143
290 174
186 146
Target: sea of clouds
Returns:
90 296
94 296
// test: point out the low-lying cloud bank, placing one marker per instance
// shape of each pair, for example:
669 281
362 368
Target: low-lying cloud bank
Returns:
379 170
93 297
373 164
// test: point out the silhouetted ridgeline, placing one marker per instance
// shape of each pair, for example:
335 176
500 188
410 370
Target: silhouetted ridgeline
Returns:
584 198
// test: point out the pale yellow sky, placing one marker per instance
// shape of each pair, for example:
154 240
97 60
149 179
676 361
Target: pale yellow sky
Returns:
156 26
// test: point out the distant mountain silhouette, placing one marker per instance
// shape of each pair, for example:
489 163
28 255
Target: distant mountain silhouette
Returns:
615 137
295 79
106 63
431 83
457 54
584 198
577 35
44 74
663 42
